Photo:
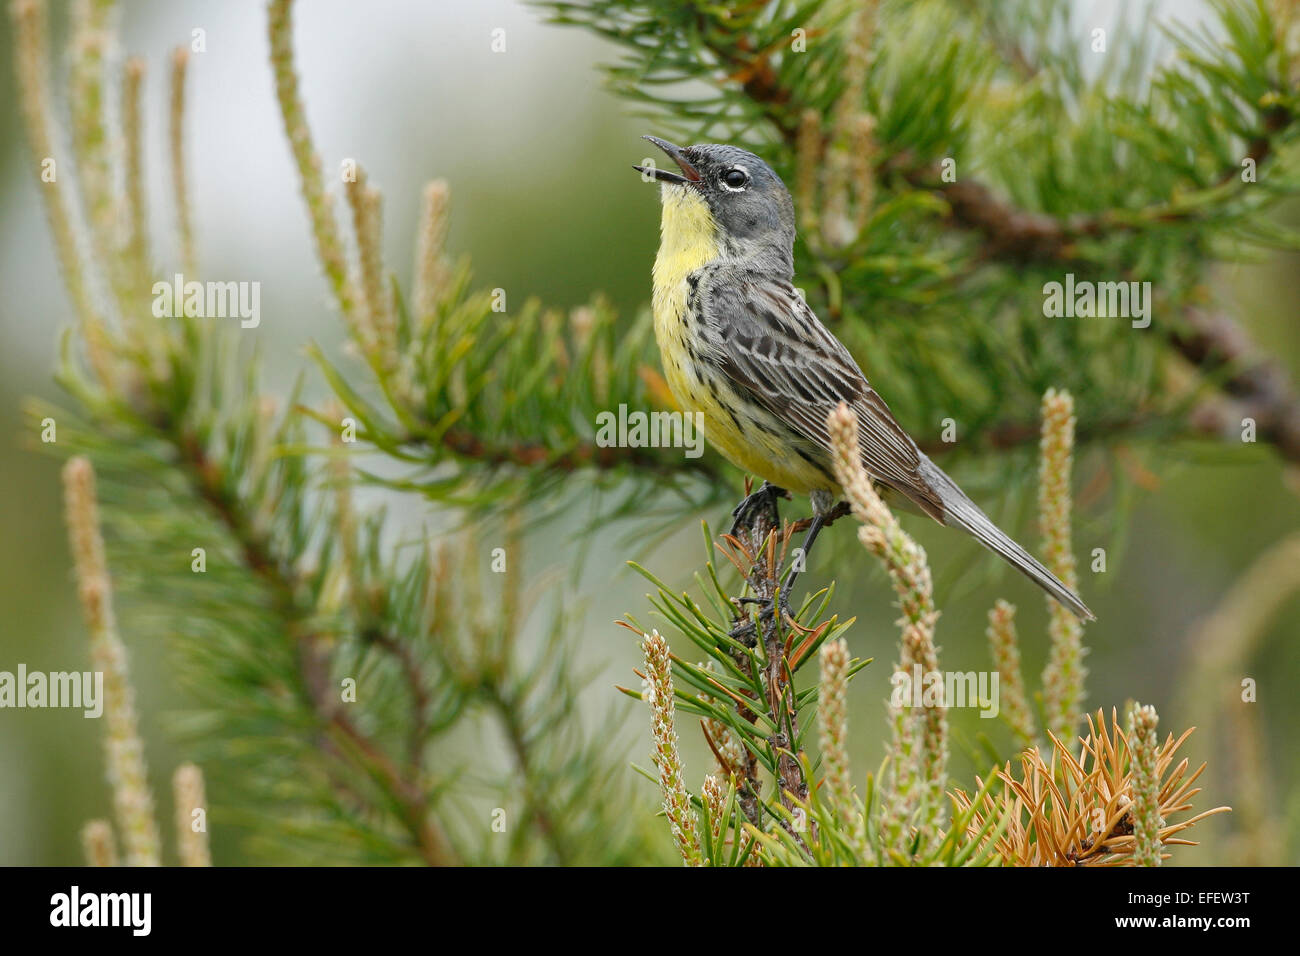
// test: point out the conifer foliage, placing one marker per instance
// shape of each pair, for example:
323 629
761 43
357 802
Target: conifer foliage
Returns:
957 167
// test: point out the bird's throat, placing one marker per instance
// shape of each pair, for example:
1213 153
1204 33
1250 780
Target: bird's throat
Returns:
689 240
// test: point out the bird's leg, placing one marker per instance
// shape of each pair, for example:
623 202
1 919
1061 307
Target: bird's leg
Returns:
814 529
822 517
778 607
759 503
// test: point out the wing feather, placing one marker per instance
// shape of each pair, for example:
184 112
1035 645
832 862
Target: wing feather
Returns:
772 346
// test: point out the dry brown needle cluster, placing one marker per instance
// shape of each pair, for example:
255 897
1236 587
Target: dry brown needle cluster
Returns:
1083 810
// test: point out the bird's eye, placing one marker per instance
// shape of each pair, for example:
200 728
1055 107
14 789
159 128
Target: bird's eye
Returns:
735 178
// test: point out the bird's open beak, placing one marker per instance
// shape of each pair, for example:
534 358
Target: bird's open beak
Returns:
689 173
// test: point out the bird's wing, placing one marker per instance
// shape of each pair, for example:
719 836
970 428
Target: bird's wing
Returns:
773 346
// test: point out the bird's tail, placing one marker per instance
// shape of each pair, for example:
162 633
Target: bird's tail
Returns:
960 512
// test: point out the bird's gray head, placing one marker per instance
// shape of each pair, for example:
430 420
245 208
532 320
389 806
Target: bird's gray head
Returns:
747 200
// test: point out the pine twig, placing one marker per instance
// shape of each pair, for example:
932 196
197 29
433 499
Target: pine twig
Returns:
325 230
1063 678
191 841
919 750
132 799
1005 649
176 155
97 842
677 802
1144 751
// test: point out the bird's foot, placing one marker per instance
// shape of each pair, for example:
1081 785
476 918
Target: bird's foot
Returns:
759 503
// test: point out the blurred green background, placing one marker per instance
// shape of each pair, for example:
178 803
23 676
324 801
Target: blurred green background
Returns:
544 202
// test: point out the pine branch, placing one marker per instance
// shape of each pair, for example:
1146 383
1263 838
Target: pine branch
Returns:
746 693
1164 208
212 485
433 368
1258 387
192 453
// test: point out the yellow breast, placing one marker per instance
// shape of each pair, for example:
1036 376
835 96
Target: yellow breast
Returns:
689 242
735 429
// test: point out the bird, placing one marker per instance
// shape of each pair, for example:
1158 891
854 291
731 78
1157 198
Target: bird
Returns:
741 347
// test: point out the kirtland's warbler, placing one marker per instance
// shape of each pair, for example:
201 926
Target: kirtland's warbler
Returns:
740 346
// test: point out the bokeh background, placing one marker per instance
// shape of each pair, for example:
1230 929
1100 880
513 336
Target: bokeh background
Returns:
544 202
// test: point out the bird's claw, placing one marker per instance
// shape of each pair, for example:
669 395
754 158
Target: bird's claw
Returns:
762 501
